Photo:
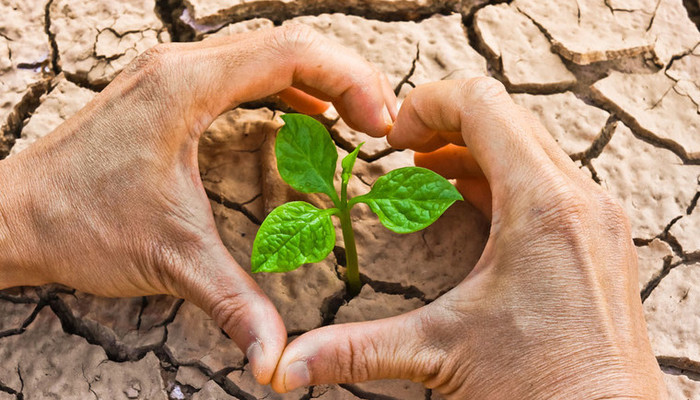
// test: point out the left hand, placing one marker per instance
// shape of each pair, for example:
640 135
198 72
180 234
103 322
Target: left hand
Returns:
111 202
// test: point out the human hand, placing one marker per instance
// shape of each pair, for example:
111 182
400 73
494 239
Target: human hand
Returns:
551 310
111 203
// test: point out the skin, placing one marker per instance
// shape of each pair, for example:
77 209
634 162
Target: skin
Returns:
551 310
111 203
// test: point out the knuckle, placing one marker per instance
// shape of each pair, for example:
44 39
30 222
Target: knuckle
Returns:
227 311
358 355
153 57
613 216
610 206
483 87
563 208
152 64
569 205
296 36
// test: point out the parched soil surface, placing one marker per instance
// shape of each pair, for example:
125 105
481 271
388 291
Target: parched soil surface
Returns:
616 82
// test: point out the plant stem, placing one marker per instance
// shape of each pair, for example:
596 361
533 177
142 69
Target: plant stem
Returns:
344 194
352 272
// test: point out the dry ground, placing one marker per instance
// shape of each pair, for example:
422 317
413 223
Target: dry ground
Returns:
617 83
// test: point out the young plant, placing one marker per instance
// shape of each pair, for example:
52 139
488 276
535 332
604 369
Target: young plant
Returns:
405 200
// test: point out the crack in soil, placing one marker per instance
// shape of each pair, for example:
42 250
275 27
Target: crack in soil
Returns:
331 305
19 395
495 61
222 200
682 363
12 127
6 389
599 143
395 288
679 56
644 134
693 203
144 304
98 334
392 288
55 60
693 10
494 67
17 299
169 13
287 10
594 173
25 324
656 279
669 369
219 377
685 257
653 16
407 78
89 384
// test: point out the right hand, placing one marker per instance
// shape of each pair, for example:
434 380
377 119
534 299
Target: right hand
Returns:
552 308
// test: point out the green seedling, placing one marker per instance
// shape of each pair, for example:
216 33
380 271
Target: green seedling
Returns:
405 200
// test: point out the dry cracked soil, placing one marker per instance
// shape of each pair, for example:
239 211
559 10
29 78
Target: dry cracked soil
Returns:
616 82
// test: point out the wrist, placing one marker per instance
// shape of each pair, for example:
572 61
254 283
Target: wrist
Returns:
16 255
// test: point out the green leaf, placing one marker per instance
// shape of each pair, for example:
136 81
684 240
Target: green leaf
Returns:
293 234
409 199
349 162
306 155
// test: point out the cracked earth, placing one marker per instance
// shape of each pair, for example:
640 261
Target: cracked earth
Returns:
616 83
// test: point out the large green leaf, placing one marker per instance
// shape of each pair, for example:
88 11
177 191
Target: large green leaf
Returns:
293 234
409 199
306 155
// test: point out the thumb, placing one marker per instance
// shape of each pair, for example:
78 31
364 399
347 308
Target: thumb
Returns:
232 298
392 348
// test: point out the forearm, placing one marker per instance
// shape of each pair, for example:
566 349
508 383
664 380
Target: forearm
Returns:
16 265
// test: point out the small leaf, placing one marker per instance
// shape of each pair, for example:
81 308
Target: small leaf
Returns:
306 155
409 199
293 234
348 163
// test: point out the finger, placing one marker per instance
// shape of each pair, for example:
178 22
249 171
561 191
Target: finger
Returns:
357 352
221 288
492 128
432 143
453 137
262 63
477 192
456 162
450 161
303 102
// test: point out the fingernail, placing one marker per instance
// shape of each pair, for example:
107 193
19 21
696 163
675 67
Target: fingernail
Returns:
297 375
255 357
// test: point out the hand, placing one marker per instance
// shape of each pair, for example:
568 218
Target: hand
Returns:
550 311
111 203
